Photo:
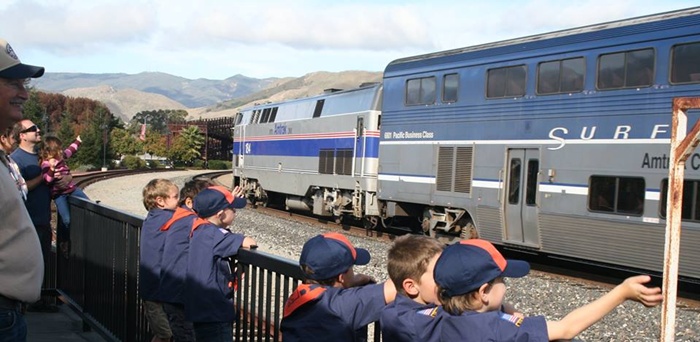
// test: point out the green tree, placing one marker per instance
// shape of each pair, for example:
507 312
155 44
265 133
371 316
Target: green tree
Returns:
33 109
123 142
65 130
157 120
154 144
187 145
67 136
94 136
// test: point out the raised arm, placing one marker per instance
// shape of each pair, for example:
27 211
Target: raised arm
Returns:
580 319
70 151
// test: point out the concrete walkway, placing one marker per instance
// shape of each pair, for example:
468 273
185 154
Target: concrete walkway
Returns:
62 326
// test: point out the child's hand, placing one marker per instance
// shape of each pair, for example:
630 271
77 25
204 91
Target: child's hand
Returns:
249 242
238 191
359 279
510 309
78 138
52 163
635 290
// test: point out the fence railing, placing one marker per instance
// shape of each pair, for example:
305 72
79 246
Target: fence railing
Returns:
99 279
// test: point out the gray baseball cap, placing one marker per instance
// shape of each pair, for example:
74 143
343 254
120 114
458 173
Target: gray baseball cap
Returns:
12 68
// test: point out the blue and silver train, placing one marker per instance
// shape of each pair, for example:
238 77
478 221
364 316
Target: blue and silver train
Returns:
555 144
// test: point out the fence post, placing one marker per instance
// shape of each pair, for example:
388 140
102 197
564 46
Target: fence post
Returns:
681 148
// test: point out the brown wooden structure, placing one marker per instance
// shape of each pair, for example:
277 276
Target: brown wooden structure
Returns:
218 136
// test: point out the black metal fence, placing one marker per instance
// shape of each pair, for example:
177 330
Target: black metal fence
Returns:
99 279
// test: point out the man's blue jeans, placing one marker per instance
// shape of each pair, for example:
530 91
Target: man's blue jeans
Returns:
13 327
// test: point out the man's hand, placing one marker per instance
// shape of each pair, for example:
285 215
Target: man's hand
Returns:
62 181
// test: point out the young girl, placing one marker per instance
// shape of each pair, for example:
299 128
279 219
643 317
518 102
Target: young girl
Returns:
52 163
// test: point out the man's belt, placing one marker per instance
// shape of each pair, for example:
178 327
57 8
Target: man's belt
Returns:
9 304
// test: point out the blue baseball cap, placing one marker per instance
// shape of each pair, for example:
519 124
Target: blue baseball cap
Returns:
211 200
463 267
328 255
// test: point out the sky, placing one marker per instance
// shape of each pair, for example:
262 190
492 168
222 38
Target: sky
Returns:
217 39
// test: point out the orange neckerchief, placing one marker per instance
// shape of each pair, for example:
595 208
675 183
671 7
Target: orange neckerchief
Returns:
303 294
179 213
198 222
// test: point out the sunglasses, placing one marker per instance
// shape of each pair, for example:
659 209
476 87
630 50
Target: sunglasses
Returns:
32 128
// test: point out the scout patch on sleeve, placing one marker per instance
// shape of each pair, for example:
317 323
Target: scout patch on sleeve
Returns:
432 312
517 321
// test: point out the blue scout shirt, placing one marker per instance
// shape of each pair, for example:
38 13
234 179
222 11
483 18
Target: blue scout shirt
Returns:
324 313
38 199
493 326
405 320
208 295
175 249
151 252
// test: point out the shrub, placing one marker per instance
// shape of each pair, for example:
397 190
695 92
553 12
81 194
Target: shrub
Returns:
133 162
219 165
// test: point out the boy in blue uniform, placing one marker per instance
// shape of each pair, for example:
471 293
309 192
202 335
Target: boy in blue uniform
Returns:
160 198
208 292
415 315
174 265
470 282
333 303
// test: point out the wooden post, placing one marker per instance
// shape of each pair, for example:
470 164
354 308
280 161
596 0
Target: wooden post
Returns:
681 148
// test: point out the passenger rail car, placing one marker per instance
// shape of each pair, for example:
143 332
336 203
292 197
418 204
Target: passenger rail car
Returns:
320 153
555 144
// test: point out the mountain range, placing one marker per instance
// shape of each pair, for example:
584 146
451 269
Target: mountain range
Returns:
127 94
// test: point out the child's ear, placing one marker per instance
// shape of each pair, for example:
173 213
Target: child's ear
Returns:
410 286
483 293
188 202
160 201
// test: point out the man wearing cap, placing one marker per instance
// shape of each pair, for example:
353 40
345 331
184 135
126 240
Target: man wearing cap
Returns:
21 263
469 275
209 281
333 303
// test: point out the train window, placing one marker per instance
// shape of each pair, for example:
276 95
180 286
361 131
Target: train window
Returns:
533 168
255 117
514 183
273 115
265 115
506 82
420 91
325 161
343 161
626 69
563 76
616 195
238 119
684 63
450 87
690 207
319 108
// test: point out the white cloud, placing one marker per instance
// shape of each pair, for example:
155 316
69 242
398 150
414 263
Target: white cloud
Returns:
267 38
71 27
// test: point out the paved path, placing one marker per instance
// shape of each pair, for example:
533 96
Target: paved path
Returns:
62 326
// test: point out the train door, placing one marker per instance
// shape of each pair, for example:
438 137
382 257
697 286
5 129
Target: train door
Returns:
520 207
239 153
